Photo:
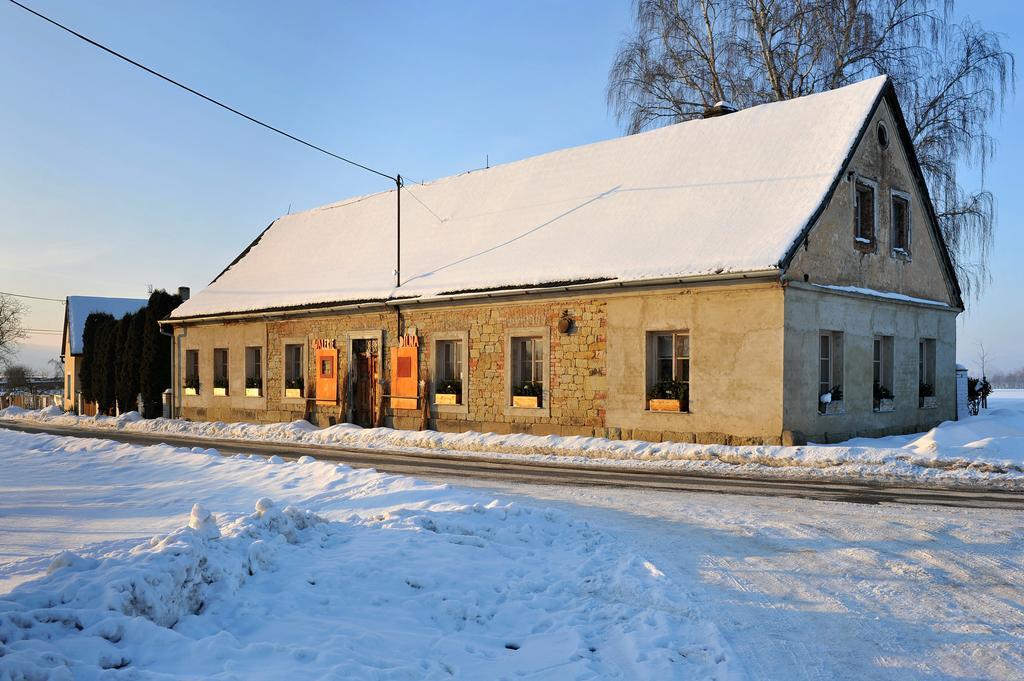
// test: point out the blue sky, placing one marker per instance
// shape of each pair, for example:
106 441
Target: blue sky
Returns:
111 180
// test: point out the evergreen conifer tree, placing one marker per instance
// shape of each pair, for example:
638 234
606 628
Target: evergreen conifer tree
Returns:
155 368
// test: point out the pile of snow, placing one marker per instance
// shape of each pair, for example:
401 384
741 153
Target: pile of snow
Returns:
996 437
387 578
986 450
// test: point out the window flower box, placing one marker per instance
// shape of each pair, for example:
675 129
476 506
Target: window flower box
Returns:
526 401
220 392
448 392
834 408
253 387
293 388
252 392
831 403
191 391
665 405
527 395
668 395
883 398
926 396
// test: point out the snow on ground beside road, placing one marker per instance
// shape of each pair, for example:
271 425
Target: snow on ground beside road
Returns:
350 574
798 589
806 590
996 435
1007 399
952 454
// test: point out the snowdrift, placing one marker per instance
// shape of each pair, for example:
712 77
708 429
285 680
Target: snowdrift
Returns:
987 449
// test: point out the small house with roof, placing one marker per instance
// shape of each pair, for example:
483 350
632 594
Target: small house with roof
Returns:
770 275
76 310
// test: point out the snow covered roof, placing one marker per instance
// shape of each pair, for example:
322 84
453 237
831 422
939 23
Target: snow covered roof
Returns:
728 194
80 307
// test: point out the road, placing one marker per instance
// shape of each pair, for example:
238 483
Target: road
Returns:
438 465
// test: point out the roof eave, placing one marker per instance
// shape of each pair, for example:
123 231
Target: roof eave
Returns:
769 273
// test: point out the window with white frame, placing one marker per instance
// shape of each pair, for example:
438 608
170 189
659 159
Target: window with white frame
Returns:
448 370
220 370
192 371
864 213
830 371
926 372
528 368
882 373
900 213
294 376
668 367
253 371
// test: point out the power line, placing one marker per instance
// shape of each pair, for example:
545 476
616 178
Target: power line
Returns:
436 216
200 94
19 295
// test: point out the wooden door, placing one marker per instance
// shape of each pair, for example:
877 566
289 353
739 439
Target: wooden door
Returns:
364 396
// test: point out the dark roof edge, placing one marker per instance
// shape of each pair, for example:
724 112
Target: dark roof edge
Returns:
888 92
243 253
64 331
915 166
787 259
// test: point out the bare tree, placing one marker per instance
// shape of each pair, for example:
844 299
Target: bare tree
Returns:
56 367
983 359
17 376
952 78
11 330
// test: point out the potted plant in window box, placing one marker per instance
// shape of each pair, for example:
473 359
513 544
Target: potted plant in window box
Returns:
220 386
192 385
527 395
293 387
253 387
926 393
668 396
884 400
448 392
831 402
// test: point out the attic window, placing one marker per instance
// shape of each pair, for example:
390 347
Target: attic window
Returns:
883 135
864 215
900 224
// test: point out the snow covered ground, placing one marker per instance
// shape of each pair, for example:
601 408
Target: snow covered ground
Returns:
118 564
984 450
386 577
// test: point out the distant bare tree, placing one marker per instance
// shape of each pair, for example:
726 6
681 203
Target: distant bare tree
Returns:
983 358
1008 379
11 330
56 367
952 79
16 376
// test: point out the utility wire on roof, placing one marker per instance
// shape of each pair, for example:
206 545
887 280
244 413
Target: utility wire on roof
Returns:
20 295
200 94
436 216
